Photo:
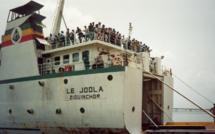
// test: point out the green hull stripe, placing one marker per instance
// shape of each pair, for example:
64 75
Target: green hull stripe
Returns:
65 74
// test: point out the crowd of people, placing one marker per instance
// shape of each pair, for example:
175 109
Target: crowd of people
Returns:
96 32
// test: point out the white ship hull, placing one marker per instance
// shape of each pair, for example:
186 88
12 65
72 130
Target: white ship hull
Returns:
88 100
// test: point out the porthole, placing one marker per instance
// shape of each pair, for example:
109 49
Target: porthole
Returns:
11 87
65 81
30 111
133 109
58 111
82 110
110 77
10 111
41 83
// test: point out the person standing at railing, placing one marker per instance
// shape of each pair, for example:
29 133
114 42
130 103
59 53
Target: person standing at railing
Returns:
123 42
132 44
62 38
72 37
67 36
87 35
91 31
96 32
99 32
109 35
58 41
99 25
52 41
140 47
118 39
80 34
106 39
128 43
103 33
112 36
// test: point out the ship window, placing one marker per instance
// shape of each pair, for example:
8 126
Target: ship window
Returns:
57 60
66 59
75 57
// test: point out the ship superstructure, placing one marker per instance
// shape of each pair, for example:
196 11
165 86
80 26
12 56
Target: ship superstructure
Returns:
93 86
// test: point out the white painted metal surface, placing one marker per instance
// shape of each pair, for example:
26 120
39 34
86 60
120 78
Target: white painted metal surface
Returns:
157 62
113 109
19 60
133 100
146 61
167 98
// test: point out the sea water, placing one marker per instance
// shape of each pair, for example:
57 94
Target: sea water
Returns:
191 116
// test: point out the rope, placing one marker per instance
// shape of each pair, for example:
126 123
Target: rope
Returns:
150 119
194 90
64 21
209 113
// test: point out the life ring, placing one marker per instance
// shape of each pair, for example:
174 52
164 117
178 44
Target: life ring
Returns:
61 70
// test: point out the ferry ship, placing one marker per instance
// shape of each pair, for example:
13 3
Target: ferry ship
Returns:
90 87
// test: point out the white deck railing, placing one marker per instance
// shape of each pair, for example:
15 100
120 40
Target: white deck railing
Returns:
51 67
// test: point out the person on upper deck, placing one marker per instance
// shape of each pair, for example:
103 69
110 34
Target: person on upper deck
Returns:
98 31
123 41
67 36
87 35
62 38
91 31
52 41
80 34
128 42
72 37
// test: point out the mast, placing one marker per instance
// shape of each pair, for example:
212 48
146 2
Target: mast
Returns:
129 37
58 17
130 30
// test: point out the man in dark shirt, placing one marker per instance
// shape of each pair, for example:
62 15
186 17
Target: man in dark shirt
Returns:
80 34
91 31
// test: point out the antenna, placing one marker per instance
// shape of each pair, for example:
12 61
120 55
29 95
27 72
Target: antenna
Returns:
130 29
126 48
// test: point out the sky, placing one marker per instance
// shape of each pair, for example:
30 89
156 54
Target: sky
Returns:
181 30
